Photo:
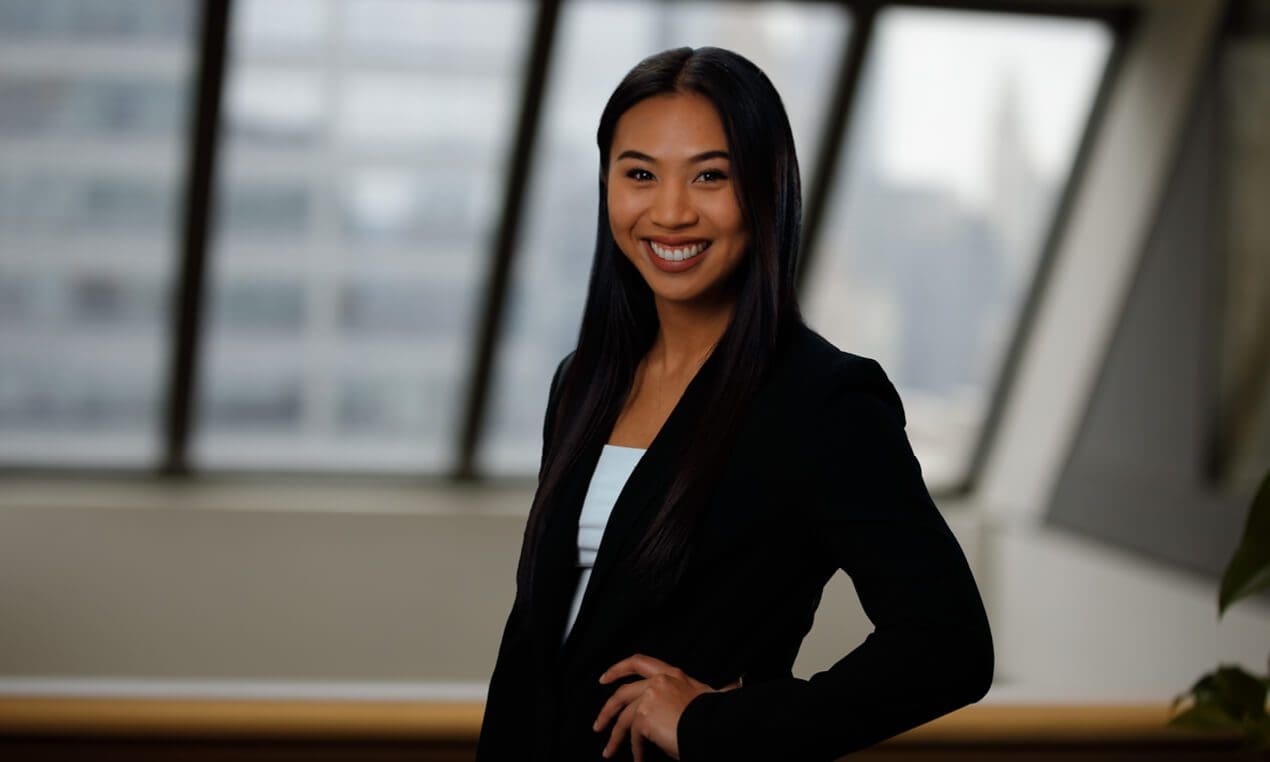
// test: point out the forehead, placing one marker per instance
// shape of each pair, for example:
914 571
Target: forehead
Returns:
669 127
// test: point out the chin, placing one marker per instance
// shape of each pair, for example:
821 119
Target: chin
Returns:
681 295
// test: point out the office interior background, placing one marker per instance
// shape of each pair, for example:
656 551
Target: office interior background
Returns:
283 284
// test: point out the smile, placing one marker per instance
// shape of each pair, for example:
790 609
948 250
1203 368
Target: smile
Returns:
678 253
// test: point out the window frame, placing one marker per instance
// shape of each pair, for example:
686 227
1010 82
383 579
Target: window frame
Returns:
197 212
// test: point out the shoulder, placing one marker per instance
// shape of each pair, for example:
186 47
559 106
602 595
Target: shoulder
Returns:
562 368
553 400
830 379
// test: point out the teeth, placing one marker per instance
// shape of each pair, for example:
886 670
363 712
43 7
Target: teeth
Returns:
677 254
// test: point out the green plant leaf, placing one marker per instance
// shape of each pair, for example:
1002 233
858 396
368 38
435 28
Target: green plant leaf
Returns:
1249 569
1229 692
1258 733
1203 716
1205 688
1241 694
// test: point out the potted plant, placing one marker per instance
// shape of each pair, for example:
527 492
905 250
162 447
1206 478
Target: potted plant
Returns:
1231 697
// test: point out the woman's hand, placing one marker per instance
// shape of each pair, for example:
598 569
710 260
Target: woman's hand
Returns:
648 708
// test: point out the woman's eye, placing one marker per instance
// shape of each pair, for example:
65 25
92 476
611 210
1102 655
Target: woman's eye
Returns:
639 174
712 175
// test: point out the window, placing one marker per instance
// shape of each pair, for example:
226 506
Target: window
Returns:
92 128
360 182
1244 339
364 143
962 142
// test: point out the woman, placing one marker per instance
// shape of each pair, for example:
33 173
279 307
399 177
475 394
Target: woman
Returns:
709 462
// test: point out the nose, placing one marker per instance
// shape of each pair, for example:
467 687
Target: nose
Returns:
672 207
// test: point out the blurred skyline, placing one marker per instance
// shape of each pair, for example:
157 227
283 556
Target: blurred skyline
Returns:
363 147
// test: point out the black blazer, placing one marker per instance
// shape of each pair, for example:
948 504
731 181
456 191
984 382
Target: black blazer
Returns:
821 478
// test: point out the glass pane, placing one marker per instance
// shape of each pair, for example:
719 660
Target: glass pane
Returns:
1243 345
365 143
962 143
798 45
93 100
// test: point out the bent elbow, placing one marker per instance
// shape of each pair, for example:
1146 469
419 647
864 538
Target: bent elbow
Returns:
965 664
981 681
978 662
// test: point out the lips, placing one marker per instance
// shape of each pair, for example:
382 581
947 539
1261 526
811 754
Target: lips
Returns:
676 255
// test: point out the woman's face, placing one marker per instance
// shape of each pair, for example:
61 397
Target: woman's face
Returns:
672 204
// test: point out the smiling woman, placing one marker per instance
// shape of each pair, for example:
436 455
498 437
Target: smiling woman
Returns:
671 199
709 462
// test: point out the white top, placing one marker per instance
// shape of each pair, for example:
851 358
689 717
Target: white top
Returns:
611 472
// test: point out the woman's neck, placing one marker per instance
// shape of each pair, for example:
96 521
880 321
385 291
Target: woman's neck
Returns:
687 333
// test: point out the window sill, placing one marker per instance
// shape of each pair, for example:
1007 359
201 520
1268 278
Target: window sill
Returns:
318 494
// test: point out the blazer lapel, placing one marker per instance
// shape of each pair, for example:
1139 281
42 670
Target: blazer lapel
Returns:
602 609
556 573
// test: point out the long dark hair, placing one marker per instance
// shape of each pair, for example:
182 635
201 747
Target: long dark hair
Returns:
619 322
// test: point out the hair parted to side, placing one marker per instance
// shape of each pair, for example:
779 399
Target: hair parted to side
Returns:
619 321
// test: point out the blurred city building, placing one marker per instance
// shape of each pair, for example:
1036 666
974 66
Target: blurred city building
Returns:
363 149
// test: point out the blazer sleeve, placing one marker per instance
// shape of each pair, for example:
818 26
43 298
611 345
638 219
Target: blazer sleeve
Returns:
931 649
509 703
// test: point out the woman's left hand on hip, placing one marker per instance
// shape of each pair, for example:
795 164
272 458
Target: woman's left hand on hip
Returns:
648 708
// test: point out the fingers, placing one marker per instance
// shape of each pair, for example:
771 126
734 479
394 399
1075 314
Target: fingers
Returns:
620 698
637 744
620 729
662 692
638 664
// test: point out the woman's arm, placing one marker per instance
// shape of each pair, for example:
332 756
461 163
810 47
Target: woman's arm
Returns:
931 649
508 705
509 713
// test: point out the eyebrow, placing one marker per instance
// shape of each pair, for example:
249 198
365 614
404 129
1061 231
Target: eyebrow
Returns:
699 157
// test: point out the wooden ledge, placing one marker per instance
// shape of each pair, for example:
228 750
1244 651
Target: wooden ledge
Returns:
977 725
253 718
1060 724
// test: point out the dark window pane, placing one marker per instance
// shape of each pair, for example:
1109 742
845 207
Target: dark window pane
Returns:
93 21
93 97
964 136
363 160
